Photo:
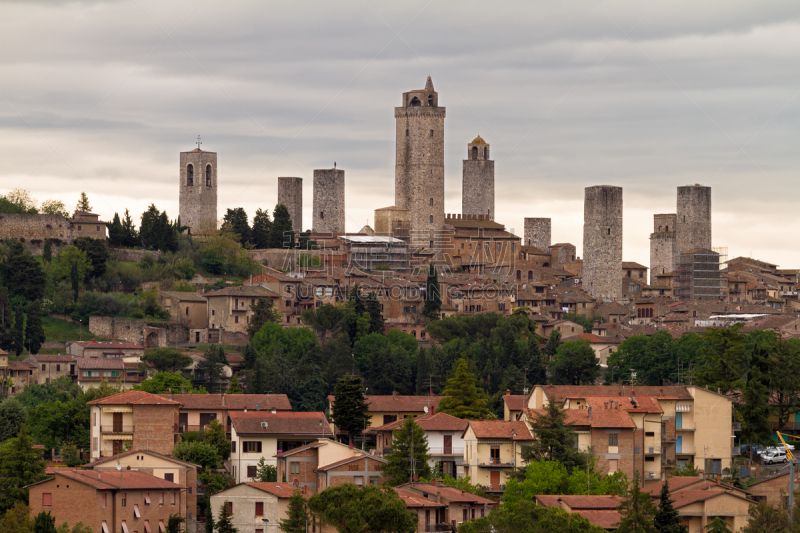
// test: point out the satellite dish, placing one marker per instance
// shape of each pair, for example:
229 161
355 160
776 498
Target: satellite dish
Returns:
426 408
258 407
119 466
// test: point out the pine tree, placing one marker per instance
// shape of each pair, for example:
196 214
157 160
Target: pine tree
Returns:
75 279
234 387
433 296
553 342
249 354
349 410
130 237
44 523
20 465
18 331
34 331
115 232
258 383
281 234
717 525
422 372
296 515
266 473
225 524
209 520
262 227
667 519
83 204
409 456
466 400
263 311
47 251
212 365
236 219
637 511
373 309
554 439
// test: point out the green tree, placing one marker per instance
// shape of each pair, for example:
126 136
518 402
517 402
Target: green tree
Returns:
83 204
237 221
349 409
198 452
212 365
25 277
266 473
174 523
783 375
326 319
295 522
234 387
130 237
667 519
755 409
18 331
44 523
373 308
12 417
156 232
352 509
433 296
466 400
258 383
165 382
72 261
409 456
262 227
97 253
553 342
528 517
224 524
20 465
575 363
17 520
263 311
77 528
281 234
115 232
215 436
47 251
54 207
34 330
554 438
21 201
166 359
766 519
717 525
586 321
637 511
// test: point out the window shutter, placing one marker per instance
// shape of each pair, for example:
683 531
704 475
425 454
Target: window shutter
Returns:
47 499
259 508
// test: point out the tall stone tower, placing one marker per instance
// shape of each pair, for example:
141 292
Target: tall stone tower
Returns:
290 194
198 190
419 163
602 241
662 245
537 233
477 190
693 224
328 201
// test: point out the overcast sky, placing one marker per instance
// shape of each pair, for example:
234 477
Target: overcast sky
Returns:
101 96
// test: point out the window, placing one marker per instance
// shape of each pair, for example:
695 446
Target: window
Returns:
189 175
124 527
187 311
649 434
495 455
229 507
104 499
431 219
358 481
123 500
58 368
294 467
47 499
252 471
208 175
44 367
136 512
147 498
406 133
259 508
649 459
251 446
373 480
161 500
236 319
161 527
213 312
431 133
233 446
431 202
613 439
105 527
172 497
147 527
98 228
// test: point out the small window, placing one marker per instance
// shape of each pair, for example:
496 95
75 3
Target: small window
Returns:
322 215
104 498
189 175
609 231
259 508
208 175
613 439
294 467
406 133
233 446
98 228
123 500
252 472
236 319
431 219
169 477
79 228
47 499
431 133
229 507
431 202
187 311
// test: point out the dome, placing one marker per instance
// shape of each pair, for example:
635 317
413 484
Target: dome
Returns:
478 140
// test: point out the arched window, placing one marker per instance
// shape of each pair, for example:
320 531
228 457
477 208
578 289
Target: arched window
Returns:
189 175
530 275
431 202
486 153
430 100
474 152
322 215
208 175
406 133
415 102
431 219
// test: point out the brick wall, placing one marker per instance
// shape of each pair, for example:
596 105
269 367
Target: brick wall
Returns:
306 462
148 334
155 426
72 502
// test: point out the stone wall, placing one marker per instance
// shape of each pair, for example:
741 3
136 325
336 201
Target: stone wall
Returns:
477 190
537 233
602 241
198 189
328 216
32 230
389 218
290 194
693 224
148 334
125 254
233 337
419 163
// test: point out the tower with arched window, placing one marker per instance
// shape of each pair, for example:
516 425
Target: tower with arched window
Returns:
419 164
477 189
328 201
198 190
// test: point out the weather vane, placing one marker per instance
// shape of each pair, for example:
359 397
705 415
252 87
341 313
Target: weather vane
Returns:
198 142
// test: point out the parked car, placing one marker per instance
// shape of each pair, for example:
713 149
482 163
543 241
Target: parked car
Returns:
774 457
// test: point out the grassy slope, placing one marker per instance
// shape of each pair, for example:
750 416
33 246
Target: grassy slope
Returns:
57 330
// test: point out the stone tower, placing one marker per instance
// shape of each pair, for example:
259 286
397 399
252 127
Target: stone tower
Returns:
602 242
693 224
198 190
328 201
419 163
477 190
537 233
290 194
662 246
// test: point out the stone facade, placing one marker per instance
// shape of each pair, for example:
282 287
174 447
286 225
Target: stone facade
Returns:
602 241
389 219
662 245
290 194
693 224
32 230
562 254
148 334
419 163
537 233
477 191
328 214
198 190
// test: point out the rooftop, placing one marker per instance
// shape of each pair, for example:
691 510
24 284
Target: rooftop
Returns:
133 397
280 423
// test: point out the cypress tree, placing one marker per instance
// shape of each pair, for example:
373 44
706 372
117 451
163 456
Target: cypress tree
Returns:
373 308
667 519
554 439
234 387
296 521
115 231
409 455
47 251
258 383
130 236
224 524
34 331
262 227
18 331
433 297
637 511
349 410
281 234
236 219
83 203
422 372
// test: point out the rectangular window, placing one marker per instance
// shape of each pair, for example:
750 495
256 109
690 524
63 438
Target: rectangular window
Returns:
147 499
123 498
161 500
649 434
229 507
373 480
295 467
161 527
259 508
250 446
613 440
649 459
136 512
147 527
495 455
124 527
58 368
252 471
233 446
105 527
213 312
358 481
173 494
104 496
47 499
44 367
169 477
94 444
236 319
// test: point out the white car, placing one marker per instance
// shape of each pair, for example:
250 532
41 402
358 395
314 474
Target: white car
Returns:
774 457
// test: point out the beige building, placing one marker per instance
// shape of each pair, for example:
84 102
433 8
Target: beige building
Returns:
22 374
52 367
230 308
456 508
127 351
90 372
493 451
198 410
187 308
390 408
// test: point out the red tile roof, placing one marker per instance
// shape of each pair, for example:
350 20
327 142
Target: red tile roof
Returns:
396 403
500 429
601 418
280 423
675 483
114 363
560 392
435 422
113 458
20 365
232 402
415 500
293 451
95 345
350 460
41 358
515 402
281 490
124 479
452 494
608 520
133 397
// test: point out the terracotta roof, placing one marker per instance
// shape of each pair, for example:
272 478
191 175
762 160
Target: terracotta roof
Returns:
350 460
453 494
113 458
107 345
281 490
184 296
124 479
500 429
287 453
414 500
584 502
561 392
601 418
20 365
594 339
133 397
635 404
251 291
280 423
398 403
435 422
606 519
114 363
232 402
515 402
632 265
41 358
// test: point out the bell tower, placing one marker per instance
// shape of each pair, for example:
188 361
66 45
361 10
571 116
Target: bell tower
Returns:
198 189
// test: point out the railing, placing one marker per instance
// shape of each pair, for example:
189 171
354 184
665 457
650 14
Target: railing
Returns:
117 429
787 425
438 527
186 428
496 463
494 488
684 450
446 451
652 450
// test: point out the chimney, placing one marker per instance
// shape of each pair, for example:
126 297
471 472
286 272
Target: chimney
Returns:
223 399
719 390
508 392
274 410
305 489
351 445
589 415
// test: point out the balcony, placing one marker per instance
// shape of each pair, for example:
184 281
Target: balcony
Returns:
446 451
788 425
652 450
684 450
494 488
496 463
117 429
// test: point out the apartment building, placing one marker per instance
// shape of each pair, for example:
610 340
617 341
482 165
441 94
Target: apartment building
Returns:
91 371
198 410
52 367
128 351
493 451
390 408
299 465
442 507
